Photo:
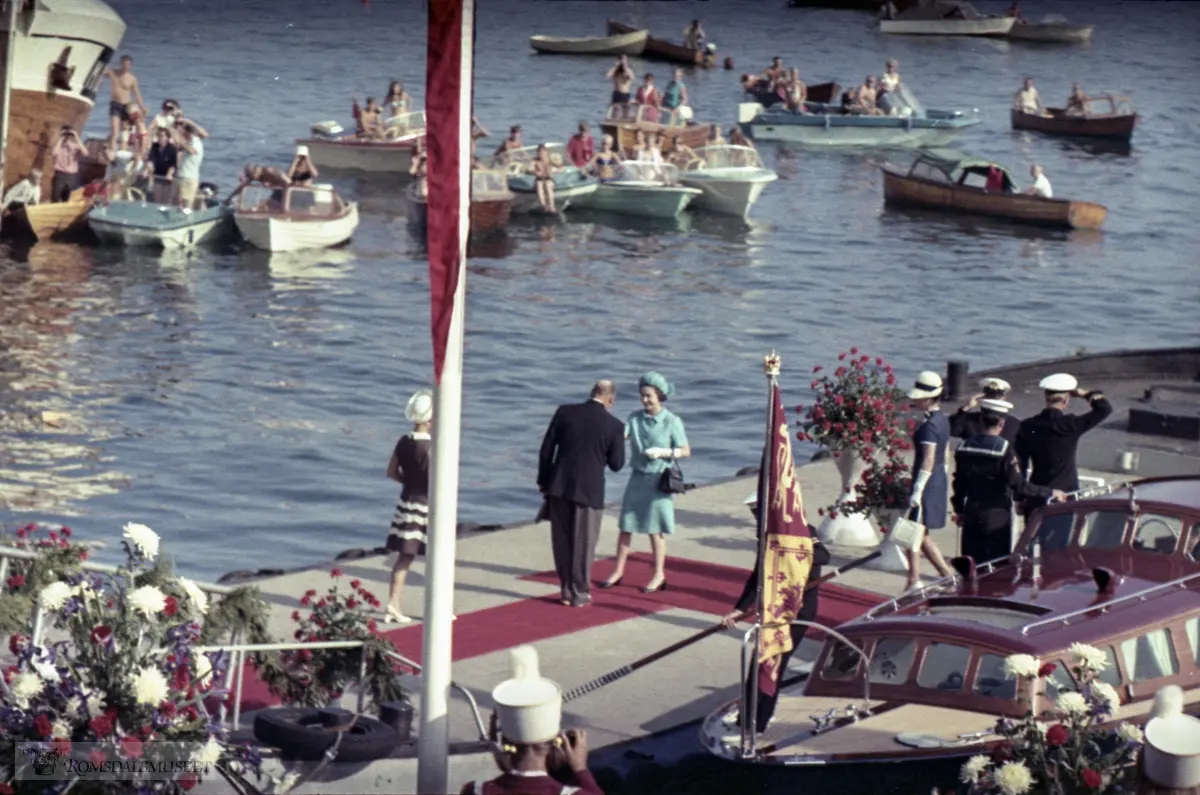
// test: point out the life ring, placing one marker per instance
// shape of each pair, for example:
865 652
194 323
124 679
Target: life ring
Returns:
305 734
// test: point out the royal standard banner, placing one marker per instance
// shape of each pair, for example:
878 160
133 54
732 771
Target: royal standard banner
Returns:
788 552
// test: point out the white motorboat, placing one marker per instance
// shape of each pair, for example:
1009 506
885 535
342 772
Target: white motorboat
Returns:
295 218
330 147
731 178
569 182
621 44
646 190
130 223
945 18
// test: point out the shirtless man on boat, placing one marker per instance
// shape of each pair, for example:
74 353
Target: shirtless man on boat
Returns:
865 98
775 72
621 75
121 109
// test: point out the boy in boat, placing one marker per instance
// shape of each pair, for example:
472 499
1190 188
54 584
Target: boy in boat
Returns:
369 121
125 91
621 75
509 144
1027 100
1077 103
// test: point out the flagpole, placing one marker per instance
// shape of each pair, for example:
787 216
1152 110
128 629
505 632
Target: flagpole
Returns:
749 711
433 746
10 11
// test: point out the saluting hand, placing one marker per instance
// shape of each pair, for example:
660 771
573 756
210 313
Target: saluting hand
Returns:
1081 393
577 749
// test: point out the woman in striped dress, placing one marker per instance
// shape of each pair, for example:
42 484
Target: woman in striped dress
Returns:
410 467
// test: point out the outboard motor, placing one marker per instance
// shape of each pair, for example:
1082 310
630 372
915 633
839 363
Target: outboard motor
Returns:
208 193
327 130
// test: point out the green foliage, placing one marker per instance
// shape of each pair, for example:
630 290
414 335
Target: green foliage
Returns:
242 612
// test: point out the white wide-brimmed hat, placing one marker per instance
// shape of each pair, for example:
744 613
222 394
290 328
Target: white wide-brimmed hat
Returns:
1059 382
529 706
927 385
420 407
998 406
994 385
302 150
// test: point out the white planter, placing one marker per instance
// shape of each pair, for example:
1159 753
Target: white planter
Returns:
848 530
892 557
1172 752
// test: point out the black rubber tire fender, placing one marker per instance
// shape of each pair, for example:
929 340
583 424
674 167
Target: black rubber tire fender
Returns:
298 734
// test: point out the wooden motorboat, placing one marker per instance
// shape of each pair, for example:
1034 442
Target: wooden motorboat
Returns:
661 49
1106 117
66 221
623 121
922 676
491 202
643 190
569 182
731 179
632 43
294 218
1061 32
945 18
952 182
827 125
821 92
134 223
329 146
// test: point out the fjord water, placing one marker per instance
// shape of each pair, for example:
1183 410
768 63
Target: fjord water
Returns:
245 404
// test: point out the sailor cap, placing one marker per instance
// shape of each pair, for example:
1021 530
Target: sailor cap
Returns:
751 500
928 384
1059 382
998 406
994 385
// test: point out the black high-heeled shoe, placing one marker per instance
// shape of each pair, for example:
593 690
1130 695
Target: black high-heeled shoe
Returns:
662 586
610 584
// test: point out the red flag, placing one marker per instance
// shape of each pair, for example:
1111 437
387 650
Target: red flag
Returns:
448 147
788 553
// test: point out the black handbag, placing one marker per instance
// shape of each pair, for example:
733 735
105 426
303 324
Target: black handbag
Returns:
671 480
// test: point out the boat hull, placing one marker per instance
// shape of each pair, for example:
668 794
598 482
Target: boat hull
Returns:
1117 128
133 224
903 190
659 49
1051 32
833 130
988 26
486 214
283 233
567 188
350 155
59 221
656 201
632 43
725 191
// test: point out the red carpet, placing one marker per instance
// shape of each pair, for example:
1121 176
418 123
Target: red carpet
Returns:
693 585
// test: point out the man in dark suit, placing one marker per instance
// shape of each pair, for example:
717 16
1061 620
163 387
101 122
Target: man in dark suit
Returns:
582 439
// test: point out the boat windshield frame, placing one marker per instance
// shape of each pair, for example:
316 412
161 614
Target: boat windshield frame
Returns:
407 123
731 152
489 183
259 199
523 158
642 171
637 113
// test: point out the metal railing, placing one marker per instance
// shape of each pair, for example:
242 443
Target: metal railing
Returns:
1140 596
8 553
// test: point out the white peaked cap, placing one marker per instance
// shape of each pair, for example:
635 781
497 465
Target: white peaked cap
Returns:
994 384
752 499
928 384
1059 382
529 706
420 407
302 150
998 406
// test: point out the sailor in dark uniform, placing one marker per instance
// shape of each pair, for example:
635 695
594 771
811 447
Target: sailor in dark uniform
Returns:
1048 441
967 422
986 477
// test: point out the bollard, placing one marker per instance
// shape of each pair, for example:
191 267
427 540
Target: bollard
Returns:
956 380
398 715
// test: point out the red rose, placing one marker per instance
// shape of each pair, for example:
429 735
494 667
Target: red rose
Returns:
146 731
43 725
167 708
17 643
335 573
101 634
187 781
181 678
23 532
879 361
891 380
356 584
305 600
854 351
66 532
311 592
1046 669
351 603
323 601
1057 735
841 371
191 713
1003 752
101 725
53 536
97 757
16 581
1091 778
298 634
170 606
372 626
295 615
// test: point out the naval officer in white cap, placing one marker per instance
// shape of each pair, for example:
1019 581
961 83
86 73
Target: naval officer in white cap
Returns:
531 747
968 420
986 477
1048 441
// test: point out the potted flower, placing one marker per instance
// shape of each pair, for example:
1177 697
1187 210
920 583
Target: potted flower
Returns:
883 490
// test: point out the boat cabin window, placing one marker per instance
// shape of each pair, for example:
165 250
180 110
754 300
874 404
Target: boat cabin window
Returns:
1153 533
991 680
1103 529
1149 656
1111 673
928 171
841 663
1192 627
1059 681
944 666
1054 533
728 157
261 198
892 660
310 202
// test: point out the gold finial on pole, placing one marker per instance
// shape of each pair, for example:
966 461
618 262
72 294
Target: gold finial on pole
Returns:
771 364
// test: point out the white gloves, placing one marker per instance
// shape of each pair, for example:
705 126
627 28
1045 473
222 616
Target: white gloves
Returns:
658 452
919 482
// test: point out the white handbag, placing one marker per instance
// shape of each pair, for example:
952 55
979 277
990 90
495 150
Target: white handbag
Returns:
907 533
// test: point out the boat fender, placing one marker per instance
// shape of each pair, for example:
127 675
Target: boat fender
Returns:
908 123
828 121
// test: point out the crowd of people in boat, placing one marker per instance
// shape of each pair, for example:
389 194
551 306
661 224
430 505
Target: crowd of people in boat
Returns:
880 96
375 122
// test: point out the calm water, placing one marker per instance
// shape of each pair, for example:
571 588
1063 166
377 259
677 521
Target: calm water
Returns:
245 404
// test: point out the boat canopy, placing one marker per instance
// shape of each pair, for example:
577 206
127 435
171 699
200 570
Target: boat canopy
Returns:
518 161
317 200
725 156
637 171
949 165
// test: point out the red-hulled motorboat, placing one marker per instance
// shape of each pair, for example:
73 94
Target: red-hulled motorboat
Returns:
922 676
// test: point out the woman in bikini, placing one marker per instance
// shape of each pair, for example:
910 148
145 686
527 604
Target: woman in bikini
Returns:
302 171
543 178
604 162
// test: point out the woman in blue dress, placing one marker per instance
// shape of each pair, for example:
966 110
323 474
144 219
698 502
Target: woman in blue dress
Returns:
930 487
656 439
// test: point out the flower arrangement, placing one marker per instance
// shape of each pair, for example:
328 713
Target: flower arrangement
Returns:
126 682
58 554
316 677
855 409
884 487
1074 755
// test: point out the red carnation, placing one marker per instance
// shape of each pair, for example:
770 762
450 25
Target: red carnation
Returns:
298 634
66 532
187 781
305 600
191 713
1091 778
181 678
372 626
335 572
879 361
854 351
1046 669
101 725
170 606
53 536
17 643
1057 735
356 584
101 634
311 592
891 380
23 532
351 603
818 369
841 357
43 725
16 581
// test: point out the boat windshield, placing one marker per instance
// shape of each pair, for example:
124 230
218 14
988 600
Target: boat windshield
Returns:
314 200
484 182
406 124
634 171
726 157
518 161
633 113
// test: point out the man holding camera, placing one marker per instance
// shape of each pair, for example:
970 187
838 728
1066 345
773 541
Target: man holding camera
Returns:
67 151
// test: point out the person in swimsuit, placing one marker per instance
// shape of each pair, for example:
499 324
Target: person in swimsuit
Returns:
125 91
864 98
369 120
714 136
397 101
513 141
775 72
604 162
621 75
543 178
302 171
267 176
680 155
796 92
738 138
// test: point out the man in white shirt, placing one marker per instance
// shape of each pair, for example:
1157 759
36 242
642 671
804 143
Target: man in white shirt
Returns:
187 175
27 191
1041 185
1027 100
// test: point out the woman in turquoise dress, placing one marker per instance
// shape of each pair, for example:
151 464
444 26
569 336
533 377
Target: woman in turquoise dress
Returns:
656 439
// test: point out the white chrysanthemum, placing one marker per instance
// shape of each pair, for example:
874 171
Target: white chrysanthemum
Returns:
45 670
973 768
194 595
143 539
209 754
1105 694
60 729
54 595
1013 778
73 706
202 667
1129 732
95 703
148 600
24 687
84 589
1072 703
1018 665
1089 658
150 686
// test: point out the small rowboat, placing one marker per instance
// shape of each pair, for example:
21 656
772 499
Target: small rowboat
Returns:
1061 32
491 203
946 18
1115 120
59 220
660 49
942 179
330 148
631 43
294 218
